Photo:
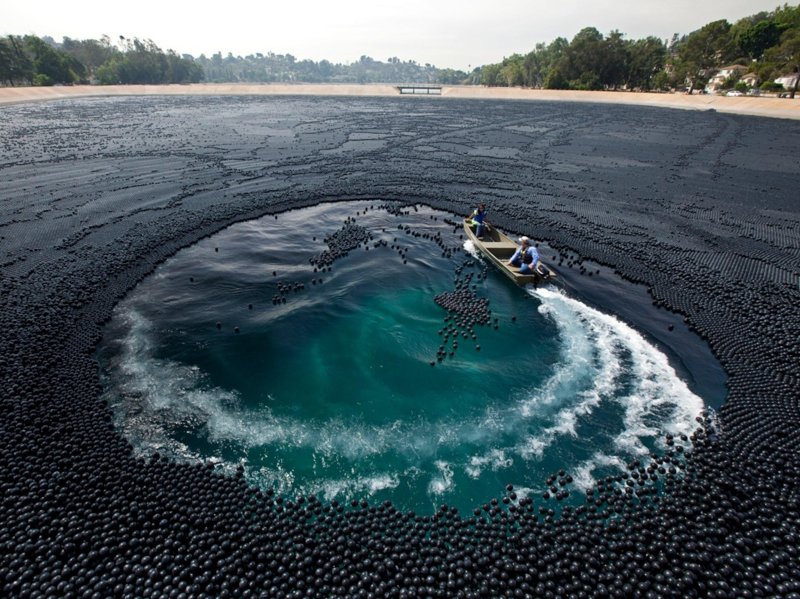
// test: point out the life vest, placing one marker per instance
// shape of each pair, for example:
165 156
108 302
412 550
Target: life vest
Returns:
526 256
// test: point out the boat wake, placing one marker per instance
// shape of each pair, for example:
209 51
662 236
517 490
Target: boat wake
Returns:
619 369
610 396
340 400
470 248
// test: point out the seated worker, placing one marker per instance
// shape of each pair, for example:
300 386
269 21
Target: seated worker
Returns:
526 257
478 216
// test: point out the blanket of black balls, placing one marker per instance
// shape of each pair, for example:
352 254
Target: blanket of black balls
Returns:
699 206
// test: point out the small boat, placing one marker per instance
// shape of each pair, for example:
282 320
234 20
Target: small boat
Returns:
499 248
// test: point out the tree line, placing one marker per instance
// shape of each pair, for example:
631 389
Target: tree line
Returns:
30 60
272 68
768 43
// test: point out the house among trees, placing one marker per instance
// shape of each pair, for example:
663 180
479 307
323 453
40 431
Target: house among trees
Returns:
723 75
788 81
750 79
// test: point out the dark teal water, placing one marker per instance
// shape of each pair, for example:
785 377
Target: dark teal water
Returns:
333 392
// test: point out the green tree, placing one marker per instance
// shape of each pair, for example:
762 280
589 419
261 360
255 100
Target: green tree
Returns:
537 64
786 56
699 54
647 58
758 38
555 78
490 75
326 69
108 72
54 65
787 17
511 71
585 60
144 62
614 63
771 86
533 66
6 58
15 64
451 76
660 81
92 54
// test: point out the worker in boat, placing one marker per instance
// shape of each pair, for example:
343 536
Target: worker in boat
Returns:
526 258
478 216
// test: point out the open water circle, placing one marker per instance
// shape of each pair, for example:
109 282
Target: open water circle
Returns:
249 349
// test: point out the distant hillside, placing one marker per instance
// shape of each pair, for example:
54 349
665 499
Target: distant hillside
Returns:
759 49
765 46
257 68
30 60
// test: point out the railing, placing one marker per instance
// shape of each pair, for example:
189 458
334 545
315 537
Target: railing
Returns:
420 90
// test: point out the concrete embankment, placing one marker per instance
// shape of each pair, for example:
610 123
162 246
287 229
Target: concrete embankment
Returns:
747 105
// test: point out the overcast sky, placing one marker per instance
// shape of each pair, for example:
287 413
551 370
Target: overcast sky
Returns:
446 33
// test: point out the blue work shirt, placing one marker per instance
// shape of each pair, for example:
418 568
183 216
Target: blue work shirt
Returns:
530 251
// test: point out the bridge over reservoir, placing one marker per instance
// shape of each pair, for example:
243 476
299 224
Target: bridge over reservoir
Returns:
420 90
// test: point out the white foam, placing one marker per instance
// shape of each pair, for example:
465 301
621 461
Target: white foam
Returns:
470 248
533 447
158 394
161 393
356 486
582 475
601 360
496 459
525 491
574 364
607 348
589 357
443 482
657 389
283 481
